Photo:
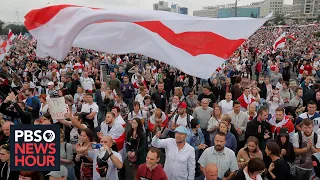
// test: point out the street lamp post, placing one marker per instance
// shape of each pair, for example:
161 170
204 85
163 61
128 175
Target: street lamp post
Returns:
235 8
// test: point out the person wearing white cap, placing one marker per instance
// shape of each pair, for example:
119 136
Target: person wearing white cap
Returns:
51 90
59 175
180 156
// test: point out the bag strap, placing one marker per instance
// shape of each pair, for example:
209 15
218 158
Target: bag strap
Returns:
315 138
300 139
176 118
188 121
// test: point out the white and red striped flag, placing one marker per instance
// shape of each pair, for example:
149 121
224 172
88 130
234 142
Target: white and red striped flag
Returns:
5 46
292 36
195 45
11 36
19 37
280 42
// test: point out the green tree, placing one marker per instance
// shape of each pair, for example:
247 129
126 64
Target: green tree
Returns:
279 19
318 18
16 29
1 26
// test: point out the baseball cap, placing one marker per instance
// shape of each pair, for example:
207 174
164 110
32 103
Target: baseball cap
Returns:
183 105
58 174
182 129
50 83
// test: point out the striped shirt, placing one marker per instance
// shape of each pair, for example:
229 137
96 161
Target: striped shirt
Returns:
224 160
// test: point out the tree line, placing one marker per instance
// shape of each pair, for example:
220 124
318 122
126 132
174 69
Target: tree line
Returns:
16 29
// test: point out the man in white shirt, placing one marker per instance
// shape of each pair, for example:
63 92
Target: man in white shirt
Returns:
114 160
86 82
91 108
180 119
226 104
116 112
240 120
115 130
180 156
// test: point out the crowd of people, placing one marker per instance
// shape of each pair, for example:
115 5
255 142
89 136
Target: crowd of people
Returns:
255 118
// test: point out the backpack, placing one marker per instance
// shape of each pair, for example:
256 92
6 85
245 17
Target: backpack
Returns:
188 120
315 139
132 113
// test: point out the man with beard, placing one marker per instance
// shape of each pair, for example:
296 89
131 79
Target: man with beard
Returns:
280 120
305 143
220 155
182 118
151 169
259 127
180 156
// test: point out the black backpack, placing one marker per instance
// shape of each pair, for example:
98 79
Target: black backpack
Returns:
315 139
188 120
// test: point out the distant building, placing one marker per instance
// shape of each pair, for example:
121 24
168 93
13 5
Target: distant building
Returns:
161 6
305 9
164 6
268 6
287 10
183 10
246 11
210 11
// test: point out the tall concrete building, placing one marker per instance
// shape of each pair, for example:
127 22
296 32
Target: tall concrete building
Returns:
210 11
305 9
268 6
287 10
161 6
164 6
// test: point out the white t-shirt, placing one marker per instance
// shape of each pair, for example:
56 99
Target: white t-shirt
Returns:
182 121
112 172
139 98
226 106
141 114
94 108
86 83
295 141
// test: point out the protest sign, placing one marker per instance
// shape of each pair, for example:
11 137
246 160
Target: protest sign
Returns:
57 107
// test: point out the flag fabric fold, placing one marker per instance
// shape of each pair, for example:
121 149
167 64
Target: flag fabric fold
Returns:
280 42
11 36
195 45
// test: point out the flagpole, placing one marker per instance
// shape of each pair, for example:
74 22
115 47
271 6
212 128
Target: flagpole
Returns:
175 111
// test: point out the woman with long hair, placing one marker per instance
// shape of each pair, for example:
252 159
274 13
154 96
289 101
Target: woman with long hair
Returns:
251 150
231 141
213 123
44 107
136 143
278 168
86 166
66 156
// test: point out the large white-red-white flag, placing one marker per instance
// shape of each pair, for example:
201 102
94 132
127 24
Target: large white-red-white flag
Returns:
195 45
280 42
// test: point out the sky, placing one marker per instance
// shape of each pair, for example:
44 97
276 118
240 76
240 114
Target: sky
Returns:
14 10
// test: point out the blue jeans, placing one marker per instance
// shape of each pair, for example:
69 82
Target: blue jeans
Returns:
71 173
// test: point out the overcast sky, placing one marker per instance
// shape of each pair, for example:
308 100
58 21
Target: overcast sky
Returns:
8 9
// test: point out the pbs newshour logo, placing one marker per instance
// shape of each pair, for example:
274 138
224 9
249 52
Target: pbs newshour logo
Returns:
35 147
